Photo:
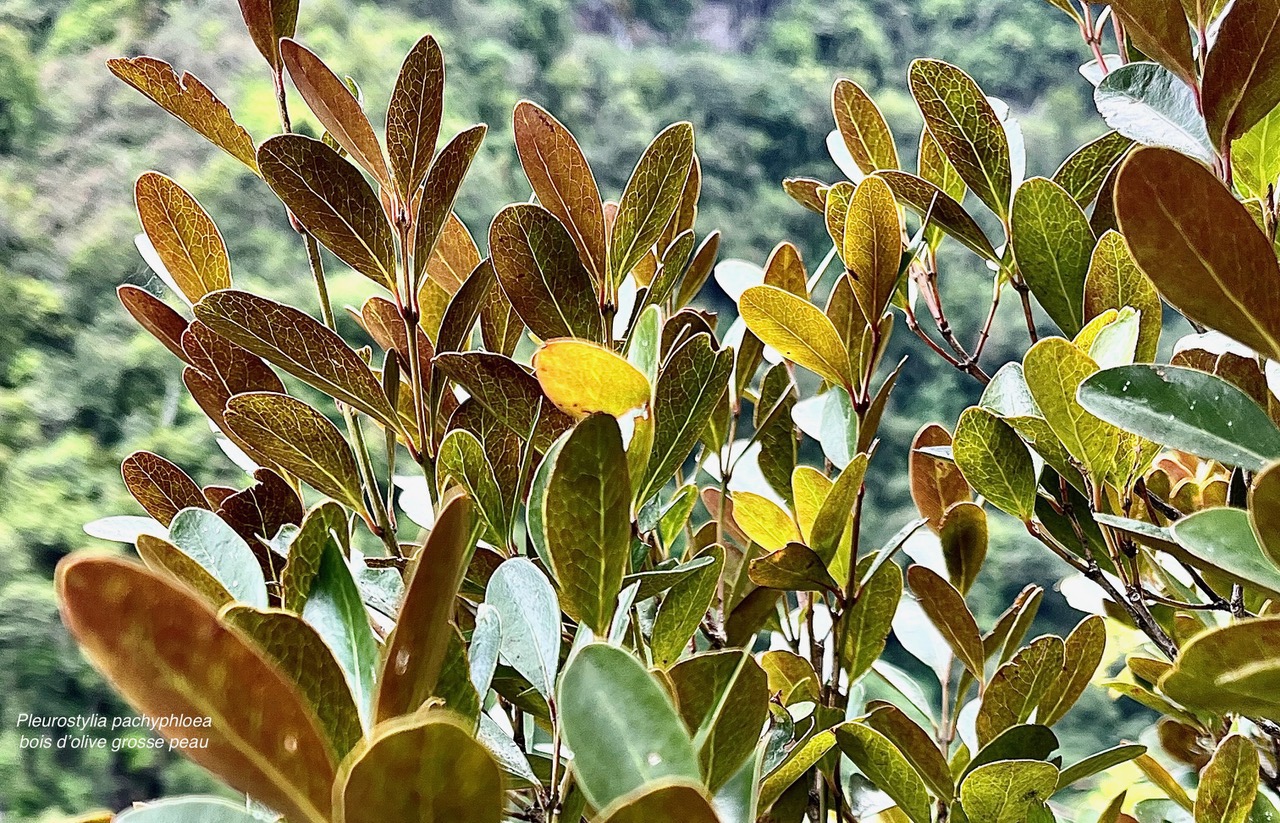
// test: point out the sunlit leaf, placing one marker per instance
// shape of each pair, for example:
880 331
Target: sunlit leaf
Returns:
413 115
869 619
650 198
798 330
1054 370
1229 783
834 517
799 760
794 567
946 609
683 609
583 378
763 520
995 462
863 128
1053 243
440 193
1242 71
1083 173
160 487
1098 763
936 484
1017 687
1083 654
886 767
1006 791
183 236
1115 281
872 250
1255 157
924 197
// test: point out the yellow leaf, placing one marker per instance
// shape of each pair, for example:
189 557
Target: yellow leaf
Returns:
582 378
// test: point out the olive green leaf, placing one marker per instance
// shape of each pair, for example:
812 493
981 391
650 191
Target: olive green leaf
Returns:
834 516
587 512
620 744
798 761
183 235
507 390
1210 262
723 699
1160 776
539 269
1255 157
335 107
1152 106
1017 687
1028 741
790 676
1054 370
1098 763
207 539
164 558
1242 72
794 567
665 799
413 115
964 537
925 197
1007 791
300 345
301 654
662 579
872 250
1184 409
1229 783
869 619
189 100
462 459
327 522
763 520
583 378
299 439
1264 511
333 201
689 387
416 650
915 744
160 487
530 614
837 211
166 653
425 768
862 127
798 330
946 610
961 119
936 484
1052 243
886 767
1224 538
681 612
562 179
1114 281
268 21
650 198
995 462
440 193
1083 654
1083 173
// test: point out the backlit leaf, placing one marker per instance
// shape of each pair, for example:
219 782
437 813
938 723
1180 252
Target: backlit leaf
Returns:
1152 106
794 567
872 249
163 557
1160 32
160 487
1006 791
183 235
166 653
799 760
1255 157
1053 243
798 330
268 21
154 315
936 484
583 378
1017 687
530 614
1242 72
916 744
946 609
1229 784
1264 511
462 460
924 197
650 198
508 391
1083 173
834 516
886 767
995 462
440 193
669 799
863 128
1098 763
1083 654
964 537
1115 281
413 115
1054 370
763 520
868 621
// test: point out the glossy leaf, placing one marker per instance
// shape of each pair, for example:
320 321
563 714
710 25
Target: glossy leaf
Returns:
1053 244
995 462
440 193
207 539
650 198
1160 32
1152 106
413 115
915 744
1242 72
1098 763
667 799
798 330
183 235
682 610
886 767
508 391
862 127
1229 783
1209 260
800 760
530 614
1255 157
181 809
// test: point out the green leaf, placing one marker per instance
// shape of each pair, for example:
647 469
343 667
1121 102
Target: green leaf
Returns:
1184 409
799 761
1084 649
538 267
583 378
300 653
1232 669
1224 537
422 768
440 194
1242 72
207 539
946 609
587 512
183 236
1083 173
872 250
794 567
925 197
1054 370
1158 30
1114 281
193 809
967 129
869 619
915 744
798 330
1152 106
462 459
650 198
1255 157
886 767
1031 741
418 646
530 614
413 115
723 699
620 744
995 462
666 799
862 127
1052 243
300 440
964 538
835 515
1210 262
790 676
331 198
682 610
1005 792
1018 686
166 653
163 557
1098 763
1229 783
1264 511
336 611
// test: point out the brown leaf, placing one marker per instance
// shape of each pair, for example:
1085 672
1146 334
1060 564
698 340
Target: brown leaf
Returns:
1242 73
159 486
234 367
562 180
500 326
441 191
415 651
184 236
413 116
154 315
785 269
936 484
189 100
336 108
166 653
806 192
946 609
794 567
333 201
260 511
507 390
163 557
300 345
268 21
1161 32
212 398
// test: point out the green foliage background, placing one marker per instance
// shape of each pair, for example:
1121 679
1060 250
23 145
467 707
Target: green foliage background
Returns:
81 386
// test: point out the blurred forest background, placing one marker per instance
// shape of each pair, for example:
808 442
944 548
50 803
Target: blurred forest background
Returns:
81 386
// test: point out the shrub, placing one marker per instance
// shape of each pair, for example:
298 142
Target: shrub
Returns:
557 545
